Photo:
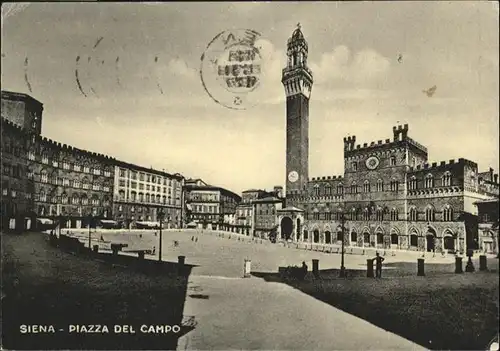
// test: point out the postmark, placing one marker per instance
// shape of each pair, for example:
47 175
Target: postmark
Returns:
231 68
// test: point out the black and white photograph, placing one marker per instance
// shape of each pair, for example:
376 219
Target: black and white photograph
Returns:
316 175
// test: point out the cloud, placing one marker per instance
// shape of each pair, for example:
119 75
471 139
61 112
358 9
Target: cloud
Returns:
340 64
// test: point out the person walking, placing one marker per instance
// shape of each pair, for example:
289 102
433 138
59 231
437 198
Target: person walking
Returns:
378 265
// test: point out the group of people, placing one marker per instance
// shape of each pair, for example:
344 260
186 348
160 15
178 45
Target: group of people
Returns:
377 260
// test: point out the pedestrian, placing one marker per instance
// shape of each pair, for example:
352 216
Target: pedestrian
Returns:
378 265
304 270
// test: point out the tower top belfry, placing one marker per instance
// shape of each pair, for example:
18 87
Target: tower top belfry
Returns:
296 76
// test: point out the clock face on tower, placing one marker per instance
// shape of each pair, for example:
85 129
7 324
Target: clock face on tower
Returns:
293 176
372 162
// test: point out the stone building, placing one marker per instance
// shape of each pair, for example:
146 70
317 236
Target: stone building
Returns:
209 205
48 183
141 195
22 110
71 185
389 196
488 213
265 217
17 188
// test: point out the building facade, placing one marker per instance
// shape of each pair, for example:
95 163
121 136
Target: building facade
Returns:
51 182
488 213
208 205
22 110
46 183
142 197
266 219
389 196
17 188
71 185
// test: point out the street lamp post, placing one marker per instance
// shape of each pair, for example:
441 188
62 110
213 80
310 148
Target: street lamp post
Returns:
342 267
90 220
60 223
160 215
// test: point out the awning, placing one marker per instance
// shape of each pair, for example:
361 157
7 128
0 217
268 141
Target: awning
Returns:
45 220
108 221
149 224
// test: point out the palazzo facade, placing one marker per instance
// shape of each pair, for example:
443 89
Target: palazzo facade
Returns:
389 197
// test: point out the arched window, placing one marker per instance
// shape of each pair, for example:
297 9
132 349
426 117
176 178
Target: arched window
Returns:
394 185
429 214
74 199
328 237
354 188
328 214
380 185
394 214
447 213
43 196
340 235
44 178
413 240
316 236
328 190
340 189
306 235
64 198
354 237
148 198
412 183
315 214
133 196
316 190
446 179
413 214
45 158
394 239
366 215
366 238
379 215
366 186
380 238
429 181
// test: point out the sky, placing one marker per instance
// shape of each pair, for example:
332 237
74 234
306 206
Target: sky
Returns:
143 100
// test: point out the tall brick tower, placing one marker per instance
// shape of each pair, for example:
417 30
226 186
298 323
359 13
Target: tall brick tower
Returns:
297 79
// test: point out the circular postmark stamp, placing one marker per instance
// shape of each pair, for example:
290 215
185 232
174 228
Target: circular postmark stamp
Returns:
231 68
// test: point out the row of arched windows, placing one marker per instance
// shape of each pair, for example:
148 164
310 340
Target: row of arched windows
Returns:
74 199
383 214
430 214
68 165
429 182
73 183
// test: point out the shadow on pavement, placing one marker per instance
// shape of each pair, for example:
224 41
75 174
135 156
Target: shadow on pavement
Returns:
47 286
442 310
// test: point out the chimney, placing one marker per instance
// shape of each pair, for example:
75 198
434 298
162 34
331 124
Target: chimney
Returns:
496 178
